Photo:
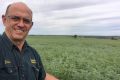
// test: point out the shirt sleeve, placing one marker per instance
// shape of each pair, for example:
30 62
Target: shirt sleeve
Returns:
42 73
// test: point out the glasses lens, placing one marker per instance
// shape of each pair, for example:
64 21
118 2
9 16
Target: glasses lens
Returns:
17 18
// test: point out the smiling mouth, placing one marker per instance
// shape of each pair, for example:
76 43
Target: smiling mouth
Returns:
20 30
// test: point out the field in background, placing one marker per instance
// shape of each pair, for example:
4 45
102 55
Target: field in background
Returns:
79 59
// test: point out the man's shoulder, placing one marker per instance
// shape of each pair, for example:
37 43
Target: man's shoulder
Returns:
1 43
0 39
32 49
34 52
0 36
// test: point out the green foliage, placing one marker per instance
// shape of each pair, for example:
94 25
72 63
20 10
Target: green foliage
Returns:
79 59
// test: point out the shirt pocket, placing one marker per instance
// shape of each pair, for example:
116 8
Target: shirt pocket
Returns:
11 69
9 72
36 69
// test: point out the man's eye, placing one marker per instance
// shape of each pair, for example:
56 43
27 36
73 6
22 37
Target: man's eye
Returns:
27 21
15 18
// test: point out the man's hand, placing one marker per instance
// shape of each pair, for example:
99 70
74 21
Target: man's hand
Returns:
50 77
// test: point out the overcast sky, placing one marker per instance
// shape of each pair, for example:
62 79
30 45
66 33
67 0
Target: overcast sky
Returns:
69 17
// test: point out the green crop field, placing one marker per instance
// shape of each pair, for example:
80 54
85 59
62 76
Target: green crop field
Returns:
79 59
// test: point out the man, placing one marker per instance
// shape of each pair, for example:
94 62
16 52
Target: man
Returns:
19 61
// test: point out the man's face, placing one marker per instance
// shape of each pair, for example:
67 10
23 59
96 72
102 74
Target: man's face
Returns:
18 22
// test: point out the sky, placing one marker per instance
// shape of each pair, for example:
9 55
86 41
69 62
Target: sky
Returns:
71 17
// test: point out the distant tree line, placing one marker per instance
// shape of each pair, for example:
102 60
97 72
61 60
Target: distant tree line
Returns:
99 37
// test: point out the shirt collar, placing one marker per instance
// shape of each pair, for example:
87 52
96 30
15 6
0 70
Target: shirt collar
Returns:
9 43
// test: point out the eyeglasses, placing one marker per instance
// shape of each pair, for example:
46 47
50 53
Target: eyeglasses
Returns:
17 19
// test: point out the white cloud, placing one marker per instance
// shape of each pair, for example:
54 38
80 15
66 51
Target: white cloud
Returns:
73 16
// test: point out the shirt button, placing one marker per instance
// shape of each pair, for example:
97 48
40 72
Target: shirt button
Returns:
22 65
23 75
10 71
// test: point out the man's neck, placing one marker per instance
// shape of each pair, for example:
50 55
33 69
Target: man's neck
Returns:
19 44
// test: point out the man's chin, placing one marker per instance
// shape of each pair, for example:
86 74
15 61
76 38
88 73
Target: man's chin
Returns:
19 38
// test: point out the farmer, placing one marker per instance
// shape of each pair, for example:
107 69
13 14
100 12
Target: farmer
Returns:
18 60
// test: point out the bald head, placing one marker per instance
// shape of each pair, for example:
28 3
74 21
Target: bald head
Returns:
17 21
18 4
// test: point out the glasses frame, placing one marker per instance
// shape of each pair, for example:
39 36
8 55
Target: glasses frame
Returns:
18 19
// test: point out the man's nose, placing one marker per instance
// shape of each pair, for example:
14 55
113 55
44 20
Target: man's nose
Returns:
21 23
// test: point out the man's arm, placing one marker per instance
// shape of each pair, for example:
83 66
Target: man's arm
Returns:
50 77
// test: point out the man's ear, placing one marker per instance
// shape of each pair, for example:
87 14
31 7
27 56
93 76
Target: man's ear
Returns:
32 23
3 19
